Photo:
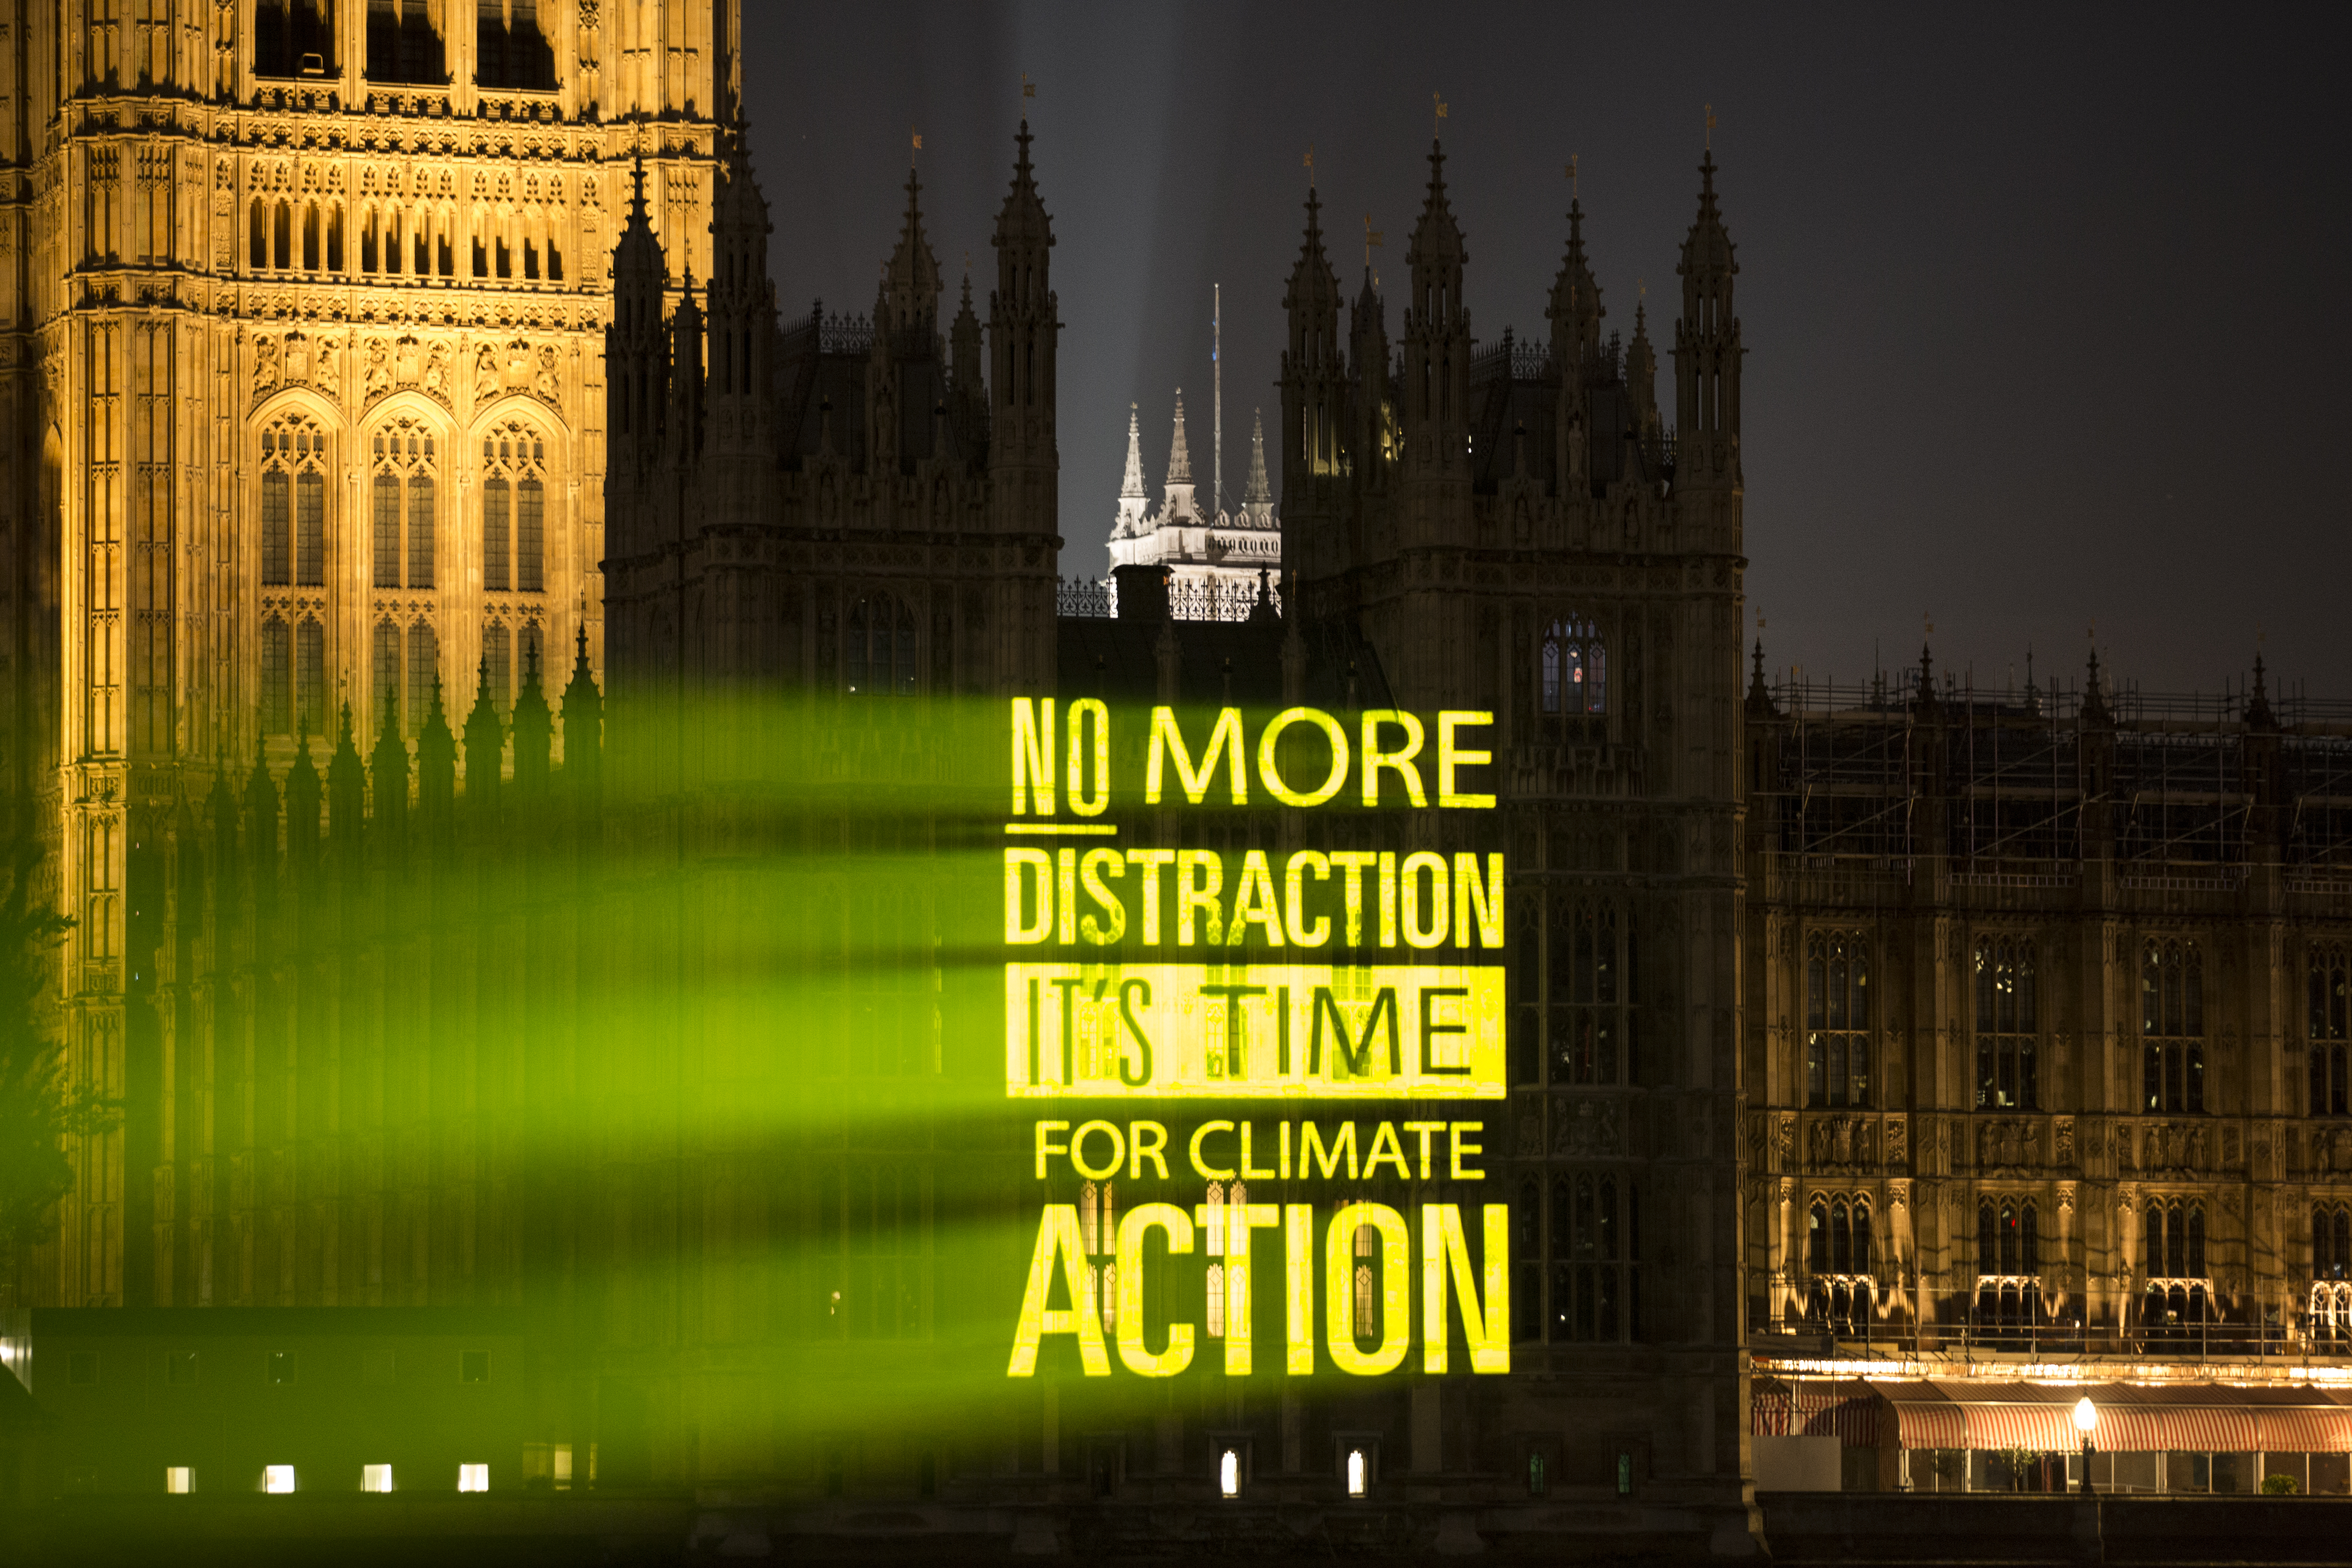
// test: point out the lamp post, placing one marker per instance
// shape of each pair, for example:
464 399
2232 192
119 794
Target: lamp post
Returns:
2087 1417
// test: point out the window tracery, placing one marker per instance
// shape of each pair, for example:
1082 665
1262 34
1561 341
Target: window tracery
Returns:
514 510
1573 675
1844 1292
878 649
2007 1076
2172 1024
1837 1019
2327 1027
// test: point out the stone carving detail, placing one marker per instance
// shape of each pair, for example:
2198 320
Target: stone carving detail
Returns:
1588 1127
377 376
1899 1144
2233 1147
485 375
1784 1139
264 366
1530 1131
2008 1142
1841 1140
436 372
2065 1140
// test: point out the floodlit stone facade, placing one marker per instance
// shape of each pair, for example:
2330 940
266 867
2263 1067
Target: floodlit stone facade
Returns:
305 390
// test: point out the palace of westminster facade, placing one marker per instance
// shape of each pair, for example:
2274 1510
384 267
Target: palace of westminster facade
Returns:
367 362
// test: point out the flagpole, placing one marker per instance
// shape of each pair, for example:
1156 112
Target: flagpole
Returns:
1217 400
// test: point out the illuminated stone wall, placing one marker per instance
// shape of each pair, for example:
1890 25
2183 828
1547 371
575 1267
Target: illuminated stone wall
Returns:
266 276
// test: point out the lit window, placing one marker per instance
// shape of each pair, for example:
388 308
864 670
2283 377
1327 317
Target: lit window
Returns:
176 1479
473 1478
563 1467
1355 1473
1574 672
376 1478
1837 1019
278 1478
1229 1472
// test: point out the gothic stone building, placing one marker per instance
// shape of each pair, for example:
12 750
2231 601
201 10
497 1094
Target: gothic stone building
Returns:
316 377
2047 1060
856 519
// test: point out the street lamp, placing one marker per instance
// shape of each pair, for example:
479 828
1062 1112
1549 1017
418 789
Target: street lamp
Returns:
2087 1417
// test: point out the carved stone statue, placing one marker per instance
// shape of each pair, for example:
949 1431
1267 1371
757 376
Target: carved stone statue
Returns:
485 375
265 364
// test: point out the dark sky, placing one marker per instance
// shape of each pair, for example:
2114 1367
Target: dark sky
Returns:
2046 307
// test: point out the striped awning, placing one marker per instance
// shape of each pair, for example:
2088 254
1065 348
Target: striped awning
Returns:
2132 1418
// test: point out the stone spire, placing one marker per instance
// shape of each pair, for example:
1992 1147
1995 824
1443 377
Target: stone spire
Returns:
1177 504
908 302
1707 350
1576 309
1437 336
1257 495
1132 501
1024 453
1313 382
1642 380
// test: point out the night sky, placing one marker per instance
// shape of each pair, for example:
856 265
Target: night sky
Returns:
2044 309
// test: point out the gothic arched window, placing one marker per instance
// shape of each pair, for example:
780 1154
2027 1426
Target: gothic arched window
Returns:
2331 1242
514 510
879 660
406 461
1593 996
1596 1292
1837 1019
2006 1025
1574 670
2328 1027
2172 1026
293 504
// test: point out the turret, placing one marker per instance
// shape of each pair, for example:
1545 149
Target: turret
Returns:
900 368
1707 353
1022 457
684 430
584 728
437 765
534 734
1575 314
1314 380
346 793
636 359
1132 501
741 299
1176 503
485 749
1642 386
388 780
968 404
1257 495
1436 340
1372 430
